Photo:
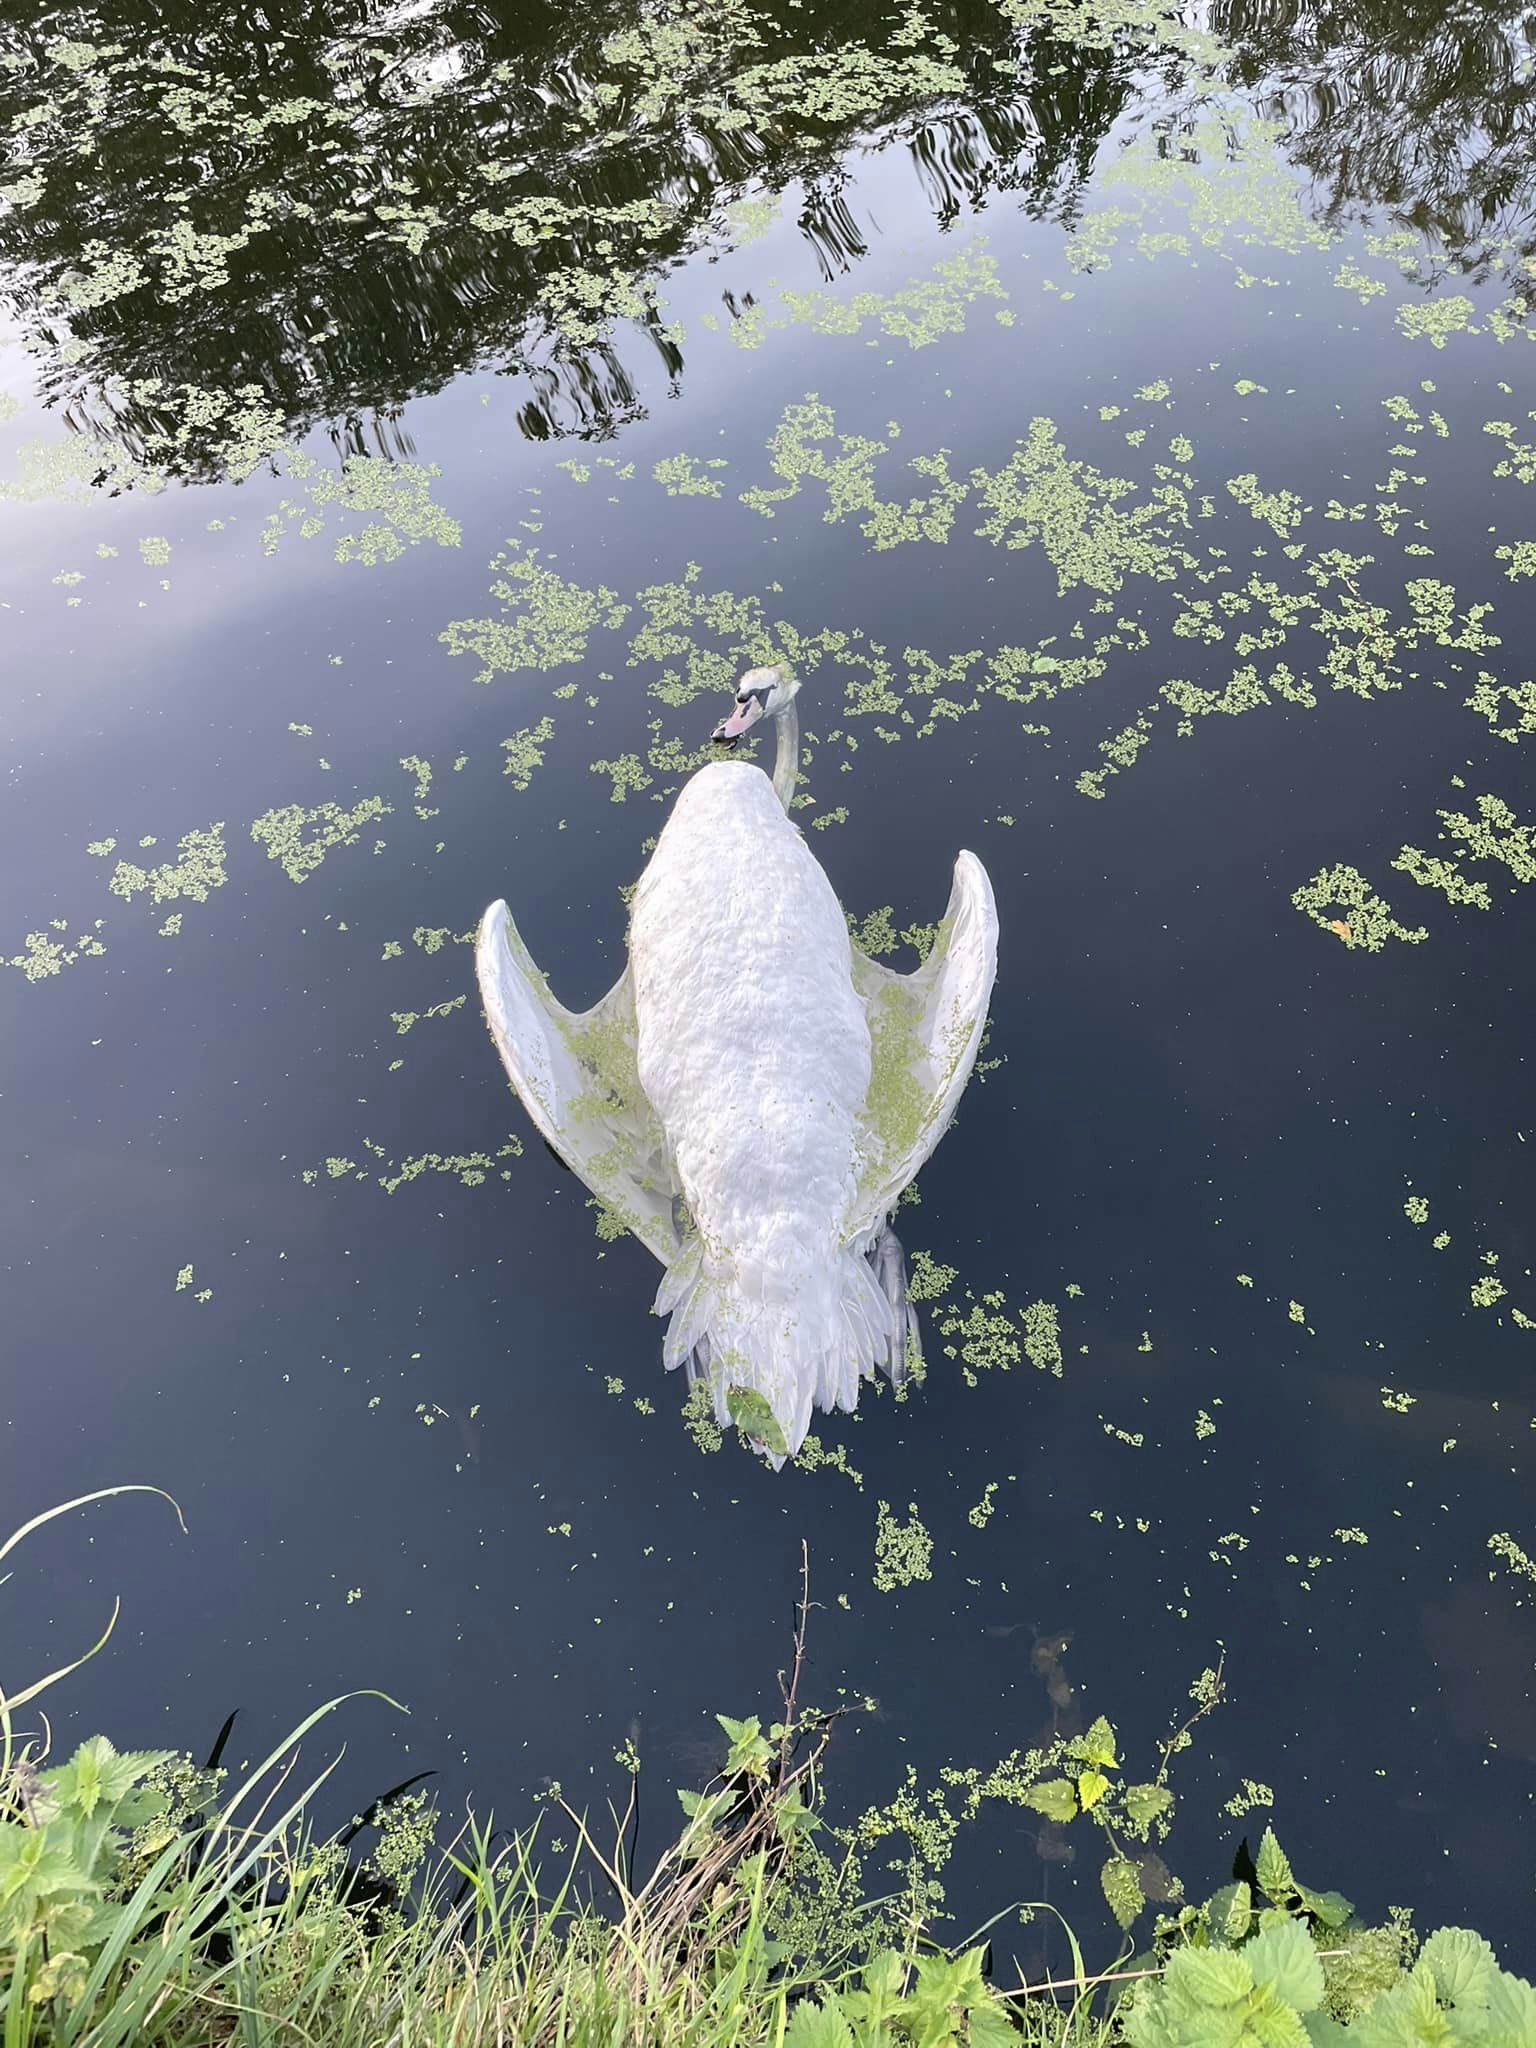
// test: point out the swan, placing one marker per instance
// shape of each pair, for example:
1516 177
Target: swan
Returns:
753 1094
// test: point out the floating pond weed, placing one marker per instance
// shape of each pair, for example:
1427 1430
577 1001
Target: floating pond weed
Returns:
903 1550
300 838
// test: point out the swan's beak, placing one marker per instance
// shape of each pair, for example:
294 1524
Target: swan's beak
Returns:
741 719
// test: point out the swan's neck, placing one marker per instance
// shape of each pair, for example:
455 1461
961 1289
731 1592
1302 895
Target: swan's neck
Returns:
786 766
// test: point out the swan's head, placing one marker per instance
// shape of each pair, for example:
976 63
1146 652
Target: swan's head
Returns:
761 693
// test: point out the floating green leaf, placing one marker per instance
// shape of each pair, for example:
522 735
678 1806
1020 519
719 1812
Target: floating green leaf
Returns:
1145 1803
1056 1798
1121 1883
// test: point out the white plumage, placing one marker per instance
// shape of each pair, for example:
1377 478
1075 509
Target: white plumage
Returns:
752 1062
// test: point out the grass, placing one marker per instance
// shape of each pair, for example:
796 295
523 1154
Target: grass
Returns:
146 1904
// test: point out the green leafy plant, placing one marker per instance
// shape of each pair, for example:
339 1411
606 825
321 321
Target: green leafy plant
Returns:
1131 1815
1270 1993
59 1861
928 2001
145 1905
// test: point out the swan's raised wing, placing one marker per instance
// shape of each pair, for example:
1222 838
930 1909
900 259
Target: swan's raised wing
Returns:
924 1030
577 1078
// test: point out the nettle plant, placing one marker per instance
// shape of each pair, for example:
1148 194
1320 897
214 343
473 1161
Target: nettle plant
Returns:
902 2002
1272 1991
72 1836
1127 1813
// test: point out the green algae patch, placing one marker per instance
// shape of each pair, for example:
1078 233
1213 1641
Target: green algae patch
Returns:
44 954
1509 708
1437 320
198 869
1511 1556
1340 900
917 314
547 619
525 752
903 1550
689 476
300 839
806 446
397 495
1076 513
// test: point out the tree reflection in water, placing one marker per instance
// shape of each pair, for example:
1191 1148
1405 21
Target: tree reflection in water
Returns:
1415 109
358 226
352 205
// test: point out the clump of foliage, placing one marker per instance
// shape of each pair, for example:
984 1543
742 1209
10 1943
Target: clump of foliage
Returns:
144 1904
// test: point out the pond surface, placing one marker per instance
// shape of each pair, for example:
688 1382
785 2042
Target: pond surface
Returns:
414 419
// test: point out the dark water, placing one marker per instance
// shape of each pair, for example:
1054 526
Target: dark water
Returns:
401 1396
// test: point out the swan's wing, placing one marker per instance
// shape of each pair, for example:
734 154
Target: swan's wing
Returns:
924 1030
577 1077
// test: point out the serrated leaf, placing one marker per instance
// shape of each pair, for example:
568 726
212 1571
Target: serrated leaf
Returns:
1097 1746
1056 1798
818 2025
1274 2024
1121 1882
1404 2017
1145 1802
1464 1966
1147 2024
1230 1911
1091 1787
1209 1976
883 1974
990 2027
62 1976
791 1816
98 1775
1512 2010
752 1415
947 1981
1331 1908
1273 1868
1164 2022
1324 2032
1285 1960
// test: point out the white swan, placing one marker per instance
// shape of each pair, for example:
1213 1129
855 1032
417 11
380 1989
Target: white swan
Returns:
753 1094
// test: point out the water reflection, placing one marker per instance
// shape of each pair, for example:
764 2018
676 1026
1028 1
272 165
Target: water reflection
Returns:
354 207
1424 111
343 209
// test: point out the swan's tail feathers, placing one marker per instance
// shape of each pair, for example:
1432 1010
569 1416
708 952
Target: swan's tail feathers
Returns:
888 1263
772 1349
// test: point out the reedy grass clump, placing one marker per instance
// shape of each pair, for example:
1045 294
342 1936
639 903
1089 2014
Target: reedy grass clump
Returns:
143 1904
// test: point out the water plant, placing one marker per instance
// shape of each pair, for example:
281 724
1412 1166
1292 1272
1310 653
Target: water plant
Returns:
144 1901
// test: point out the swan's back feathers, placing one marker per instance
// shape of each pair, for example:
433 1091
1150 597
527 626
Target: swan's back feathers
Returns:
752 1043
754 1050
